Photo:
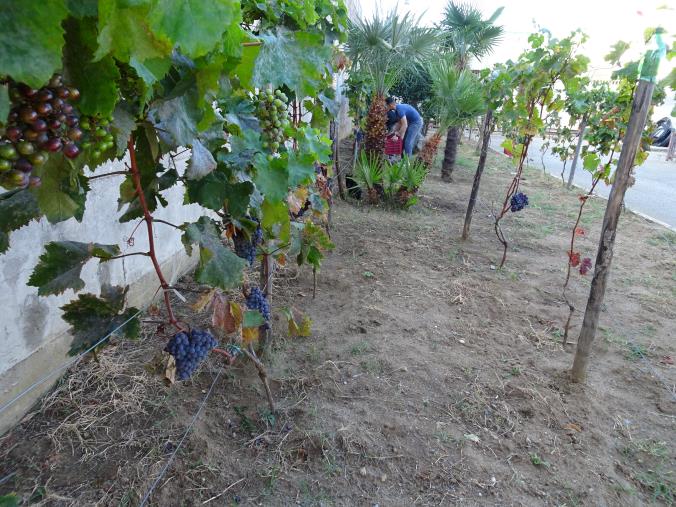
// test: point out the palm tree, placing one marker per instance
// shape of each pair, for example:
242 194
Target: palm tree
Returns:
467 36
384 48
458 94
457 99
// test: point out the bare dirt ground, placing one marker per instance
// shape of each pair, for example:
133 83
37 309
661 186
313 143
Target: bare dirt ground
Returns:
431 378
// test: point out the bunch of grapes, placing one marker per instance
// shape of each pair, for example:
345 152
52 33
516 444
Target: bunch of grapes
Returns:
246 247
272 110
256 300
519 201
189 350
40 121
97 135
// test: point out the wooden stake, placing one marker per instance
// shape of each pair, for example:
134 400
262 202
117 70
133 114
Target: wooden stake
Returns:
578 148
604 256
486 137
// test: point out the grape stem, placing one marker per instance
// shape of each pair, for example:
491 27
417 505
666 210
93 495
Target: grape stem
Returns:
166 223
113 173
229 357
124 255
148 218
262 373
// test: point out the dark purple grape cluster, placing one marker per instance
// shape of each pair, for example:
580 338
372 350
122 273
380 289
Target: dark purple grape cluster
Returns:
40 121
256 300
519 201
245 247
189 350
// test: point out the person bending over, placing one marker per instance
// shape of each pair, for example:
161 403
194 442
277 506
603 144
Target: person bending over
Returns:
410 123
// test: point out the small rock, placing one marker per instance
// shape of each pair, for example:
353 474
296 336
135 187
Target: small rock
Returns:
383 477
493 267
363 471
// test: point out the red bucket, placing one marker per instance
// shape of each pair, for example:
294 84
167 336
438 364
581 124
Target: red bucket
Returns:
393 147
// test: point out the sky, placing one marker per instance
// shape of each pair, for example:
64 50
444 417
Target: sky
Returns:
604 21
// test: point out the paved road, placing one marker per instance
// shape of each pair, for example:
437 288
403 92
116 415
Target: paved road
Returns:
653 194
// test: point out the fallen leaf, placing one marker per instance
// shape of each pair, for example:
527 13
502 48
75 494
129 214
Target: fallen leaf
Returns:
572 427
472 438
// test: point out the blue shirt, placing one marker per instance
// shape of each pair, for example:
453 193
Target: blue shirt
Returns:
412 116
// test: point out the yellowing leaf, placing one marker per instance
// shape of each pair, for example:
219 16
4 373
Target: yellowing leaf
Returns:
296 200
249 335
201 304
226 315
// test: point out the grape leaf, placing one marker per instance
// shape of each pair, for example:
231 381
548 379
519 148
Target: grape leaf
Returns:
60 265
124 32
271 177
215 192
17 208
122 126
83 8
92 318
249 335
243 149
301 168
10 500
238 198
195 26
227 315
297 60
311 140
209 191
63 191
4 103
31 40
245 68
276 220
218 266
253 318
176 119
591 162
152 69
97 81
201 161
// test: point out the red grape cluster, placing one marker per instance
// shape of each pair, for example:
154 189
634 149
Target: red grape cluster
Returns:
40 121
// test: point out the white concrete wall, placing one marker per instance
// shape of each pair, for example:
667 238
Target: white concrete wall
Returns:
34 338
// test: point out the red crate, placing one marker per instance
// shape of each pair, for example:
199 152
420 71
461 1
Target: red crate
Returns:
393 147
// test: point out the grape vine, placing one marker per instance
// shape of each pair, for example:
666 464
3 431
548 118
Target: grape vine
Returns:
217 83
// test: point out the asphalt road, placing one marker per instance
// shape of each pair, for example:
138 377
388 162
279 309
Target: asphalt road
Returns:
653 194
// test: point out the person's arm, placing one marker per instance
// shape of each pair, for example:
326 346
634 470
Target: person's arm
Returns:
403 125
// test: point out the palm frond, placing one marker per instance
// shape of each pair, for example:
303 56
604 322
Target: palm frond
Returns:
468 34
386 46
458 93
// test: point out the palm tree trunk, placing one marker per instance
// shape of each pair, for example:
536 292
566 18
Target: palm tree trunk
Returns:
450 154
376 119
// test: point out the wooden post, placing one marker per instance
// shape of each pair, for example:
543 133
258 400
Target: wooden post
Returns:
480 141
578 148
486 137
333 132
604 256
